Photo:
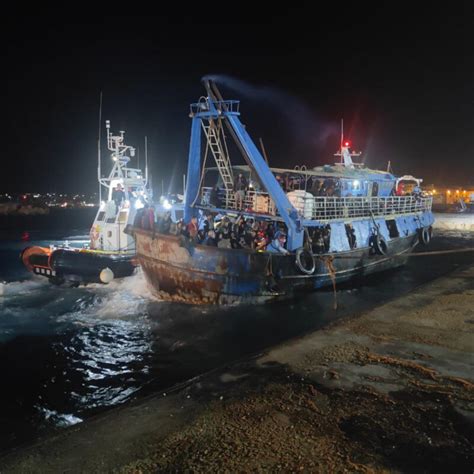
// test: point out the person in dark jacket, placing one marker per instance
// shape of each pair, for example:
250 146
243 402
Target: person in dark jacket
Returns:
214 198
118 196
210 240
137 221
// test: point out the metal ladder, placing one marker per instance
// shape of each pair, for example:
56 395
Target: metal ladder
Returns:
221 157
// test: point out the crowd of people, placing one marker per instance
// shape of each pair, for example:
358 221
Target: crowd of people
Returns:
145 217
224 231
317 187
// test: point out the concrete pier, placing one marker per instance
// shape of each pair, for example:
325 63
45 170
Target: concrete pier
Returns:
459 221
388 390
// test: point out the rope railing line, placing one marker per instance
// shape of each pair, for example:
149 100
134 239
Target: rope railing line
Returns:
413 254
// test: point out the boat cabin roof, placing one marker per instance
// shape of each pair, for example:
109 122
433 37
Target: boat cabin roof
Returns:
327 171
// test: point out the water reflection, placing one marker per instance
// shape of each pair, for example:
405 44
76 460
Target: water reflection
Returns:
112 360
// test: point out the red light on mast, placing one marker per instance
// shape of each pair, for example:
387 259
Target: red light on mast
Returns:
347 143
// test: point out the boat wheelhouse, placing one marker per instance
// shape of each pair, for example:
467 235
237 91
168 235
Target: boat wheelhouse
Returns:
342 220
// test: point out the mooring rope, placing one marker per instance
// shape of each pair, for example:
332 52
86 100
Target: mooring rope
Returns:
328 260
419 254
441 252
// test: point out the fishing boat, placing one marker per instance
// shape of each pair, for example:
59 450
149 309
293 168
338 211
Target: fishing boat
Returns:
328 224
110 252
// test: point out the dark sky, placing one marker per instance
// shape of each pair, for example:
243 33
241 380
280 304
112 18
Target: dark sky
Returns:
402 77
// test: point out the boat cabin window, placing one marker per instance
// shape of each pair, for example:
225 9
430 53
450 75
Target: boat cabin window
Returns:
101 216
386 188
111 220
352 187
109 233
392 228
375 189
123 217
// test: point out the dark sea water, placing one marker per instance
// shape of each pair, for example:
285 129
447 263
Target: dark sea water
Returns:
67 354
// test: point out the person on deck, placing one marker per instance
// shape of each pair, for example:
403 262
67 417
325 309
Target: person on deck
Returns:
210 240
400 191
240 186
417 192
192 228
260 241
137 222
164 224
118 196
148 218
316 187
214 198
277 245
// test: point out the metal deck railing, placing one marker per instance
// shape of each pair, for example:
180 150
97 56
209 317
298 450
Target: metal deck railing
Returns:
227 105
335 208
328 208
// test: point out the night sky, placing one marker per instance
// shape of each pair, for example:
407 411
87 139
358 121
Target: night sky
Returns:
402 77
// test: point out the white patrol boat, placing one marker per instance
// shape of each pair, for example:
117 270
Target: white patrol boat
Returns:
110 253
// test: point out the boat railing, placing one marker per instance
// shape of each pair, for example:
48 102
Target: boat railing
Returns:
254 201
324 208
227 105
327 208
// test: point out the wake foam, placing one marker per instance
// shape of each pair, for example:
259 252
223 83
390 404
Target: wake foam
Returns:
124 298
22 287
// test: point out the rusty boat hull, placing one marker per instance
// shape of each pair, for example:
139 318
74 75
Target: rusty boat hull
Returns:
179 270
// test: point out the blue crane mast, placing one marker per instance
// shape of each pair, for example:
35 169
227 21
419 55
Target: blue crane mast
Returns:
205 114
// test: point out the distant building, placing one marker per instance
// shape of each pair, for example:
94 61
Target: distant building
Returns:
445 196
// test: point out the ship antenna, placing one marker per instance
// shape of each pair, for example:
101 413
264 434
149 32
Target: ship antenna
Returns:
342 136
264 153
146 161
98 148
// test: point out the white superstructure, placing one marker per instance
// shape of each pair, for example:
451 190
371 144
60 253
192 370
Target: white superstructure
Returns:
126 193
